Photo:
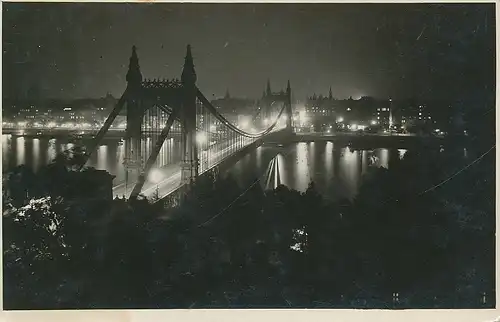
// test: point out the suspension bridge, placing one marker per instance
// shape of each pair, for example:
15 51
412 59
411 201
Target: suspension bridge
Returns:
161 111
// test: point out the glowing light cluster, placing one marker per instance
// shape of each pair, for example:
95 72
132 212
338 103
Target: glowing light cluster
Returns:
201 137
303 119
155 175
244 123
356 127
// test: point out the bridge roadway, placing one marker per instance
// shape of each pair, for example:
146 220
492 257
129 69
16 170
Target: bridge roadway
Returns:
167 179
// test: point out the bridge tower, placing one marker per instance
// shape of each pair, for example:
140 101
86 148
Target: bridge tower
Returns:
189 163
269 98
133 164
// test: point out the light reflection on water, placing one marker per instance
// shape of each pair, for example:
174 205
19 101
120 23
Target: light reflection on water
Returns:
36 153
281 169
51 151
302 167
258 156
384 158
20 149
402 153
349 170
364 162
6 147
336 170
328 165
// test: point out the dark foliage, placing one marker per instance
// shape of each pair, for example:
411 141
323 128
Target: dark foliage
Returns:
391 247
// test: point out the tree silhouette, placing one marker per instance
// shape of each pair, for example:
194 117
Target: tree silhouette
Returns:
229 246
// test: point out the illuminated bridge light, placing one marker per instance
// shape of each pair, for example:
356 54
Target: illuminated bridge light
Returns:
201 138
244 124
155 175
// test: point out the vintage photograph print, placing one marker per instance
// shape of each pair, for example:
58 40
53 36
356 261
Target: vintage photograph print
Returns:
224 155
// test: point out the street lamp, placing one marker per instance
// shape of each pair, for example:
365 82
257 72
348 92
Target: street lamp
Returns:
244 124
201 138
155 175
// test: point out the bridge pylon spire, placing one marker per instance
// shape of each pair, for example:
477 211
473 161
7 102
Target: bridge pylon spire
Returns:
188 73
268 87
134 76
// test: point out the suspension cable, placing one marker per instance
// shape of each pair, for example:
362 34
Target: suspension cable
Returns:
222 119
167 110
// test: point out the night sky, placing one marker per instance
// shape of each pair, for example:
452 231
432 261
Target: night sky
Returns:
383 50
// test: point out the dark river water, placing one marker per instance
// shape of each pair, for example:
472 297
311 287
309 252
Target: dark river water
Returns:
336 170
